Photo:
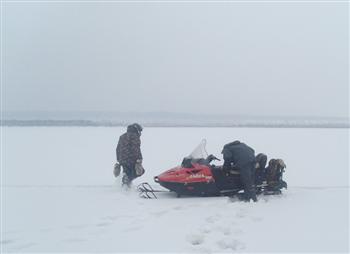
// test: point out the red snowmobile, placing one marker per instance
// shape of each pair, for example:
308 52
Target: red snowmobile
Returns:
196 176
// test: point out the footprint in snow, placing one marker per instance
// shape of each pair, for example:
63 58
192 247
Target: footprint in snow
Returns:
195 239
212 225
213 219
230 244
205 229
225 230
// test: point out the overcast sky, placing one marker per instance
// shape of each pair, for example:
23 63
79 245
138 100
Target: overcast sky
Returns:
279 59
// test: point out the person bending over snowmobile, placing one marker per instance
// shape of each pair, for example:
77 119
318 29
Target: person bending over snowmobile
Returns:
129 153
241 157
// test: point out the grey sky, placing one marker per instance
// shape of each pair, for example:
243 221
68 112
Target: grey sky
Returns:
229 58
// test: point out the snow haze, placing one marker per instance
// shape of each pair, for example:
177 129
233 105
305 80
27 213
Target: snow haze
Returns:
268 59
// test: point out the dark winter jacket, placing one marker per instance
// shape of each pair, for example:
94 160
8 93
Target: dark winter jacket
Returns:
129 149
239 154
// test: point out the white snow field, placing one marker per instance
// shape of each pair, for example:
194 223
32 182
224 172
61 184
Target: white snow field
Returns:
58 194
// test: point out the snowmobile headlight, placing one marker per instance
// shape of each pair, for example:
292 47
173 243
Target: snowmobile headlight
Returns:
156 179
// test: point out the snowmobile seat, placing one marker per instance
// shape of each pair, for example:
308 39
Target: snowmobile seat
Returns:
226 180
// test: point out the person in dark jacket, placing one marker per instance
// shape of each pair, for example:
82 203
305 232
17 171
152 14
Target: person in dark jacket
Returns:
241 157
129 153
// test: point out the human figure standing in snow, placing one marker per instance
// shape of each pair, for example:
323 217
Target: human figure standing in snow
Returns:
129 153
242 157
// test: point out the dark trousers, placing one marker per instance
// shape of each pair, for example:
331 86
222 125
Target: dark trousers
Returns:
247 177
130 171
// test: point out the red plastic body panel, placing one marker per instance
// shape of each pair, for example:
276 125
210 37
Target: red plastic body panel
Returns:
198 174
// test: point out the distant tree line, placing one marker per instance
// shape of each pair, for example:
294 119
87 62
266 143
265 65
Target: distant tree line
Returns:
184 123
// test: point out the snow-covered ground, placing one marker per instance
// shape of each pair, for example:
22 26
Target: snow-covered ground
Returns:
58 193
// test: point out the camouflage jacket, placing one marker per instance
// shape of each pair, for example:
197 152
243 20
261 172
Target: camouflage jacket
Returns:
129 148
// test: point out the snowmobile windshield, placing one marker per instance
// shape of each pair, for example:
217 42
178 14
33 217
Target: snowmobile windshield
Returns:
198 155
199 152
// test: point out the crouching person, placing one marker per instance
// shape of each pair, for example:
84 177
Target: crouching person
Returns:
129 154
242 157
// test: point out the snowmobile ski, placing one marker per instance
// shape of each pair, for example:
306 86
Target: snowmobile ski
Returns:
146 191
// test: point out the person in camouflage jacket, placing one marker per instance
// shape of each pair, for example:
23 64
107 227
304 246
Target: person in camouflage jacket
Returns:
129 152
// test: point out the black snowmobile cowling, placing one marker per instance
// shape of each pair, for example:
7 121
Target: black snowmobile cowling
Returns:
198 177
